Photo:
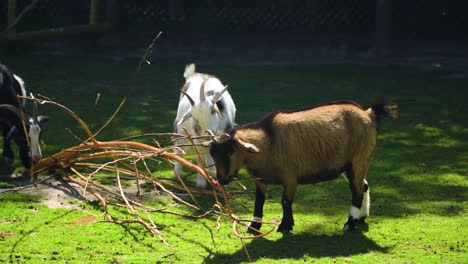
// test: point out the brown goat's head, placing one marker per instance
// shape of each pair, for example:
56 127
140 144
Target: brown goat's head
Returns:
227 152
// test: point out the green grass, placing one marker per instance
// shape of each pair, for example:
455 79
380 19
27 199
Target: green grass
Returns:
418 177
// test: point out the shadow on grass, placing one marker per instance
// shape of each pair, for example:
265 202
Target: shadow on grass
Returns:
299 246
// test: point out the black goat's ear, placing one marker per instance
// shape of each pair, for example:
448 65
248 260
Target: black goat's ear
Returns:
42 119
11 133
248 146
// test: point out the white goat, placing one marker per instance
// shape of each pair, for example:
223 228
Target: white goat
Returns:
204 104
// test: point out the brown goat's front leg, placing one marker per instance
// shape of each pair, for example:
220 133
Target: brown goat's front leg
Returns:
256 222
287 200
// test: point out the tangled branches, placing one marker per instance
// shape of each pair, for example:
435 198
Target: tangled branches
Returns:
131 158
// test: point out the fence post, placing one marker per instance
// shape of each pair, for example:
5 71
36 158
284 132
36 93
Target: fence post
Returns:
381 16
111 11
11 14
93 12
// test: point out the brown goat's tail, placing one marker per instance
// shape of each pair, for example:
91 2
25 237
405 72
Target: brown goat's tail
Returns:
384 108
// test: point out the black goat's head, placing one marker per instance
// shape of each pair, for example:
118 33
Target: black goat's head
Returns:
32 126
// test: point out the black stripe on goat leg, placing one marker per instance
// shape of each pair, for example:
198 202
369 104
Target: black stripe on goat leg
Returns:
287 200
260 193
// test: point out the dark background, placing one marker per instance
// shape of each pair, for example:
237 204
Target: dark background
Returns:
331 27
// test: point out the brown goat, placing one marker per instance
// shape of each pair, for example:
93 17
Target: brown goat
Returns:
304 147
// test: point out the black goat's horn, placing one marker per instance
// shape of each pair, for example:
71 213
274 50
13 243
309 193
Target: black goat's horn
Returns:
11 109
35 112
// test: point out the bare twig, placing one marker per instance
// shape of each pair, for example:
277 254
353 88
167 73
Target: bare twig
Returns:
21 15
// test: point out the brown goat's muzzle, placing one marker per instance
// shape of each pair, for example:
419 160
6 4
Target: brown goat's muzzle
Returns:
223 181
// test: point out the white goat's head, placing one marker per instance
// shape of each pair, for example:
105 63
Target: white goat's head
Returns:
205 111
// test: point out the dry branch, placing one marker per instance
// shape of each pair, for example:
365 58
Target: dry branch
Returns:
127 157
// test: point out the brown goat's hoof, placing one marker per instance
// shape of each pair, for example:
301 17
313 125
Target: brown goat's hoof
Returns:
284 229
350 224
348 227
253 232
254 227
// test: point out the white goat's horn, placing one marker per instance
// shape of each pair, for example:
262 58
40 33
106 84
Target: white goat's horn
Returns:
188 97
202 90
218 95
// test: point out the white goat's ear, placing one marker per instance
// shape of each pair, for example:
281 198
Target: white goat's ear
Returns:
189 70
186 116
218 95
248 146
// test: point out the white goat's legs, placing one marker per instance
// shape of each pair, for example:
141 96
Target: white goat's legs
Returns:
208 161
178 168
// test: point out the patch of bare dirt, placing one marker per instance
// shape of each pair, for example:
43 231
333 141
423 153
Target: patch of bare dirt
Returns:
84 220
60 193
52 192
6 234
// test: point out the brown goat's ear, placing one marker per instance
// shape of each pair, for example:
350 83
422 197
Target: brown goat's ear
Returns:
248 146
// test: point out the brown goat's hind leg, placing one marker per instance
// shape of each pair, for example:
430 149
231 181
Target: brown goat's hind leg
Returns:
256 222
357 186
286 201
365 204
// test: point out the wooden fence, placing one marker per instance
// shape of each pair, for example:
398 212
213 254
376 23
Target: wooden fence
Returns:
36 12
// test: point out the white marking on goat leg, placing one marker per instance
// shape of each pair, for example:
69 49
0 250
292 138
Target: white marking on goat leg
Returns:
255 219
354 212
365 204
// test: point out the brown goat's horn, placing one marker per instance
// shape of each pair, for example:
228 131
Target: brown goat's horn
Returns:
223 137
218 138
212 134
202 90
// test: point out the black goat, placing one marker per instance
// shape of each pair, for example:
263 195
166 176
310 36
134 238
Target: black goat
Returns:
14 124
